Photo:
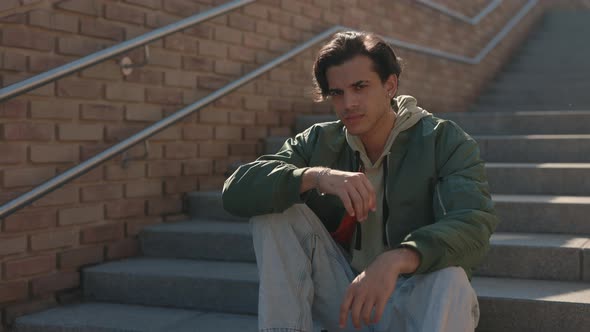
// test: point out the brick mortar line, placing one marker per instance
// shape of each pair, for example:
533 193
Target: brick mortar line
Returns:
43 4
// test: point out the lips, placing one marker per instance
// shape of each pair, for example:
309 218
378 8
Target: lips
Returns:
353 117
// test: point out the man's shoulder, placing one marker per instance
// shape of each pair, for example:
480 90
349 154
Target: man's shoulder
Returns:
329 130
326 126
440 128
323 141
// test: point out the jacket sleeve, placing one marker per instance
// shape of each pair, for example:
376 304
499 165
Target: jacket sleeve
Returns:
463 208
270 184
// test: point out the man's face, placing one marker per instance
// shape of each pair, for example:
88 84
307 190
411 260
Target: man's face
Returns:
359 97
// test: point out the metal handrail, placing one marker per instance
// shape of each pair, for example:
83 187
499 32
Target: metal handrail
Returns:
151 130
484 51
458 16
89 164
103 55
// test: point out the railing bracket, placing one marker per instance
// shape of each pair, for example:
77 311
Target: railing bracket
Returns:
127 64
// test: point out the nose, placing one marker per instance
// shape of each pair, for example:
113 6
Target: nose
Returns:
351 101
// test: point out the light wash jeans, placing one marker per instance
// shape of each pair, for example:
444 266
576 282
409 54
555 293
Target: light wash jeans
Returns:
304 274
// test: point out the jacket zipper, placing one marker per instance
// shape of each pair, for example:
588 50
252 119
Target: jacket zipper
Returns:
440 202
358 231
386 201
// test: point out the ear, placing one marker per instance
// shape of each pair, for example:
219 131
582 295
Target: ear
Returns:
391 85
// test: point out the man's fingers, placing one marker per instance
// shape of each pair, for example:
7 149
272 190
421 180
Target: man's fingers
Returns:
367 309
344 308
345 198
365 197
357 201
371 195
379 308
355 192
355 313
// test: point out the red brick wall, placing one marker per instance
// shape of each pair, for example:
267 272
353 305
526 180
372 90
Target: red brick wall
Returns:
468 8
98 216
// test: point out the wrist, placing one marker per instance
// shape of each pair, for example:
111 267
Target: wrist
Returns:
321 173
404 260
311 178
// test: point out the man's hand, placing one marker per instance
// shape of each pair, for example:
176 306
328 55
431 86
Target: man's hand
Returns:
354 189
371 289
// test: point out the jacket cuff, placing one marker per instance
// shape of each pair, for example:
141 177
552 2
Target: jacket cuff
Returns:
294 185
428 254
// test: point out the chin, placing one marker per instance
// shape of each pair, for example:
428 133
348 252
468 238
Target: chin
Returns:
355 130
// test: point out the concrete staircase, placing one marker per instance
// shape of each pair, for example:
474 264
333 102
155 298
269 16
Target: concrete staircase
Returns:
200 274
550 72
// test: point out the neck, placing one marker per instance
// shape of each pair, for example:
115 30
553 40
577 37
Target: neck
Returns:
375 140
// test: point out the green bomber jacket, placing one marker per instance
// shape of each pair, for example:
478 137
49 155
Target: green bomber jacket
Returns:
436 189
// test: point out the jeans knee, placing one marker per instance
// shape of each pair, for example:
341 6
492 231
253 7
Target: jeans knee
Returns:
297 216
453 273
294 219
454 279
272 219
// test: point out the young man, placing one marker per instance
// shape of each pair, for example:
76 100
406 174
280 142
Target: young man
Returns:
372 221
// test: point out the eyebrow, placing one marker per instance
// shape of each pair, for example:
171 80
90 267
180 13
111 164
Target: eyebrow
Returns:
361 82
355 84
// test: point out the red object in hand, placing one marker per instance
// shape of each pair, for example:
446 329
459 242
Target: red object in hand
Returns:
343 235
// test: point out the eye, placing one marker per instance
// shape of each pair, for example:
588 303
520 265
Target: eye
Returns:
359 87
334 93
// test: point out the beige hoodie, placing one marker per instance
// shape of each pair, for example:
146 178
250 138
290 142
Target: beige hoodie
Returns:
372 229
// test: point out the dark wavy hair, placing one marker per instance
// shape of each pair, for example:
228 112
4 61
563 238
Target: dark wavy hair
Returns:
347 45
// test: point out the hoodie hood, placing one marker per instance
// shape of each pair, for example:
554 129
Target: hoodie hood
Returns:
408 112
407 116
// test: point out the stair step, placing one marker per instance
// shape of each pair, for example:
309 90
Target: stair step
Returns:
517 80
513 148
112 317
538 88
522 123
535 148
551 62
550 296
570 100
543 214
539 178
536 77
548 256
486 108
547 306
561 31
213 203
518 213
524 105
537 256
534 94
179 283
561 35
554 44
550 66
199 239
533 305
565 21
550 44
